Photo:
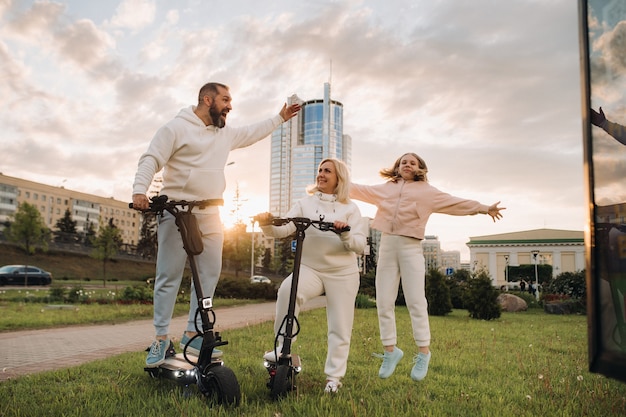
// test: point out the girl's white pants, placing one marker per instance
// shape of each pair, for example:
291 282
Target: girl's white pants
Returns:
401 259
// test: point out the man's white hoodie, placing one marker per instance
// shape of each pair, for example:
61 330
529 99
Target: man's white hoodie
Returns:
193 155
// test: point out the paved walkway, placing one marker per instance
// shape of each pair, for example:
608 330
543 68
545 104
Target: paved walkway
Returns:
30 351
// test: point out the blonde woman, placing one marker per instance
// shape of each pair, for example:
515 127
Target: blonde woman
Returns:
328 265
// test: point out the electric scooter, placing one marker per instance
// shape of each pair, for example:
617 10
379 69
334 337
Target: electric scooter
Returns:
282 373
214 380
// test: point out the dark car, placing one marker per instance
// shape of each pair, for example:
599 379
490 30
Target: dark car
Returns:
24 275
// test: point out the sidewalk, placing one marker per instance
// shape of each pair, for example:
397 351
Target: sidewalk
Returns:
30 351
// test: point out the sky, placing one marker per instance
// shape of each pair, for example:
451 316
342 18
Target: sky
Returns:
487 92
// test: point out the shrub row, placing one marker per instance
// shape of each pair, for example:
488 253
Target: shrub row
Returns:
142 293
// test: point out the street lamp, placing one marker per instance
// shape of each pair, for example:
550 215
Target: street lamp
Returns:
506 268
535 253
252 251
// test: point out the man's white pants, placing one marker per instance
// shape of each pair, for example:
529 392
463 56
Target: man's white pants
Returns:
171 261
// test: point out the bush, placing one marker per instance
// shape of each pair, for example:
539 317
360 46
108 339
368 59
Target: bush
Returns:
530 299
233 288
457 283
57 294
457 293
565 306
368 284
140 293
75 294
480 299
364 301
569 283
437 294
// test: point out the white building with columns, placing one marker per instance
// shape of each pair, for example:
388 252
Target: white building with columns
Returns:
563 249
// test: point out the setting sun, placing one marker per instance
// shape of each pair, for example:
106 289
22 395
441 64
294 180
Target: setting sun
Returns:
242 210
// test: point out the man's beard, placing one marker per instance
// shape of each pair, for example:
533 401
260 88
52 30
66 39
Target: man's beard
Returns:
216 117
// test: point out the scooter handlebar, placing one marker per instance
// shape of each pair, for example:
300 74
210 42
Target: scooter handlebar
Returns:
157 204
306 222
160 203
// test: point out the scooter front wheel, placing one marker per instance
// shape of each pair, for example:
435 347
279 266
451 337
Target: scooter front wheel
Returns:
220 386
284 381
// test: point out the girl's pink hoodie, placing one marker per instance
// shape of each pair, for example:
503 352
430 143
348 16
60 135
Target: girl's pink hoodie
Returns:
404 207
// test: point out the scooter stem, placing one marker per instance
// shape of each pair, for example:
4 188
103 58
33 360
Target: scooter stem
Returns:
291 316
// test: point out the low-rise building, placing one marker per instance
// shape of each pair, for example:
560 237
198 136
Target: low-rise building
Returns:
563 249
84 208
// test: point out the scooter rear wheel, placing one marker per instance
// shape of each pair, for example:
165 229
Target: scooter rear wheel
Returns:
284 381
220 386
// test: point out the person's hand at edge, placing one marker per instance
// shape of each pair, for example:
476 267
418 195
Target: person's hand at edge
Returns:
287 112
597 119
494 211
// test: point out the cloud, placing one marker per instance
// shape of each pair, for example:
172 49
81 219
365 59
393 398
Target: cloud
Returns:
87 46
134 14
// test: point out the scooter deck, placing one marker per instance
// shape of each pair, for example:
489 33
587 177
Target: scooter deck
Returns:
295 361
178 362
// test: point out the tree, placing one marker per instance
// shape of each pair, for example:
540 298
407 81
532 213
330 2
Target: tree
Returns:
284 260
28 229
481 298
107 244
461 275
370 260
437 294
147 245
267 260
90 234
66 228
237 247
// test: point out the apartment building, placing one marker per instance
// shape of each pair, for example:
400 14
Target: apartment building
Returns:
52 203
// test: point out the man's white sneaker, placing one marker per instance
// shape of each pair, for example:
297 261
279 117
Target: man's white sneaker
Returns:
270 355
332 386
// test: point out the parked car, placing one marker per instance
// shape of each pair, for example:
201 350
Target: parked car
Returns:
260 279
24 275
513 285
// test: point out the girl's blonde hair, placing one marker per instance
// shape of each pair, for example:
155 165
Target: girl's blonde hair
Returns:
393 173
343 180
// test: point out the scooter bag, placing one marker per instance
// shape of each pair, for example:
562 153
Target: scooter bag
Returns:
190 232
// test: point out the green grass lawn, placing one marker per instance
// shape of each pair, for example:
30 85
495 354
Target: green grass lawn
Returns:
523 364
22 316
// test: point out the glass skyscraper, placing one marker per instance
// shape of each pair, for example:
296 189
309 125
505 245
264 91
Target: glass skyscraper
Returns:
299 145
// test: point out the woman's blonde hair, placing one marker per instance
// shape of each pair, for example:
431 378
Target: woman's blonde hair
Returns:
393 174
343 180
